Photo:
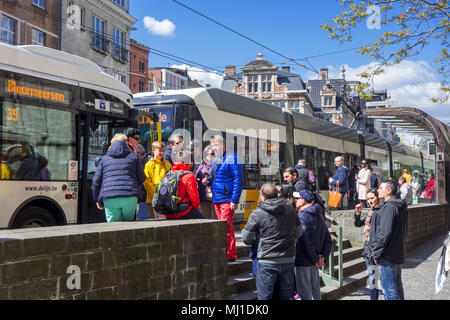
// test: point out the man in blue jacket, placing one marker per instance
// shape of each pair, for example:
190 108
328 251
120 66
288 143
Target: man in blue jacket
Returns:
312 248
341 177
227 174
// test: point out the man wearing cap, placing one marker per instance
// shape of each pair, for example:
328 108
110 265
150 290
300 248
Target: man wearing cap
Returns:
312 248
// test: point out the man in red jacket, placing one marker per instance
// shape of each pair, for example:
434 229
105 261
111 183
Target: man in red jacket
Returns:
187 185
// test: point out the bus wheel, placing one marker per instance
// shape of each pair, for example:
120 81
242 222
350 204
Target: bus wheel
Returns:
34 217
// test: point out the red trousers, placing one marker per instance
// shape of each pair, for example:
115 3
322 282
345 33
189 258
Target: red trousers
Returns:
224 212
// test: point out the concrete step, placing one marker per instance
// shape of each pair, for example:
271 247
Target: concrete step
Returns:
240 284
240 266
349 254
350 267
351 283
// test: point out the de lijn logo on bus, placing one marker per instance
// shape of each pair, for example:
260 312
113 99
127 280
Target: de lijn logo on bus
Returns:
102 105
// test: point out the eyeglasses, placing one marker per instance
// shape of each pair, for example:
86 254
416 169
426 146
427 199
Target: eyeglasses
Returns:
363 162
137 138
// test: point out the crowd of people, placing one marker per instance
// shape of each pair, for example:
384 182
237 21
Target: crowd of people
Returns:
168 184
287 231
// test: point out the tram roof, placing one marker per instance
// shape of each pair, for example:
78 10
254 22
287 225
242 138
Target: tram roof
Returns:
227 101
49 63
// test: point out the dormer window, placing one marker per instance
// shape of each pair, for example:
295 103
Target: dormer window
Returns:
252 82
328 101
266 83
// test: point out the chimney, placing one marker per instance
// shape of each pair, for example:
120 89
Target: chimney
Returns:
286 68
230 70
324 73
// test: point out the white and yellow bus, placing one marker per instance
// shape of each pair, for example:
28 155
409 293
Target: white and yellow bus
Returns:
58 114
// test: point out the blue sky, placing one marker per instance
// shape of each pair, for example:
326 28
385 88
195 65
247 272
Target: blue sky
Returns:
291 28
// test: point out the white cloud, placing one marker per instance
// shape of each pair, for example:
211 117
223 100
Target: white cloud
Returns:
161 28
410 84
206 79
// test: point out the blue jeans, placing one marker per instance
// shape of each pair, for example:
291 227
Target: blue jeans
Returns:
143 212
391 280
308 283
275 281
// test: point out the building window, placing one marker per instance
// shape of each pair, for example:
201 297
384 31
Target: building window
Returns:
141 85
119 77
150 86
328 100
119 52
39 3
8 30
99 41
142 66
120 3
38 37
252 84
266 83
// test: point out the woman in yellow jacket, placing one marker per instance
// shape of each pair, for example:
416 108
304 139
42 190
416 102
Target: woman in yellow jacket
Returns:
155 169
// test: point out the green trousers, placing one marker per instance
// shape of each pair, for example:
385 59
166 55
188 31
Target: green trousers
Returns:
120 209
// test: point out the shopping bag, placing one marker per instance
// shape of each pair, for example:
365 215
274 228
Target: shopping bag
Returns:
335 198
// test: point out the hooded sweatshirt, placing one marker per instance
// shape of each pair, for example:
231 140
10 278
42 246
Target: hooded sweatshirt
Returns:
387 232
118 174
316 239
278 226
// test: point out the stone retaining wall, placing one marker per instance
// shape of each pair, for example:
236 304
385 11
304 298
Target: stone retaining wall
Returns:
183 259
424 222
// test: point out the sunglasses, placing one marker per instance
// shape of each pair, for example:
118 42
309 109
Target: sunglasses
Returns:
137 138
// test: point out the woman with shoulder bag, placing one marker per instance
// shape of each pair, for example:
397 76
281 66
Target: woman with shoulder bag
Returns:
204 179
372 269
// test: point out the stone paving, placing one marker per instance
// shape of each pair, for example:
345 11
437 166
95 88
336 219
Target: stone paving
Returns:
418 274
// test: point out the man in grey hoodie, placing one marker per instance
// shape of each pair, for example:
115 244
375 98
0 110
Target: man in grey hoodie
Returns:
386 245
278 226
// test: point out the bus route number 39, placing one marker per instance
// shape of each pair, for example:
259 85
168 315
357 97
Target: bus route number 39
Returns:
13 114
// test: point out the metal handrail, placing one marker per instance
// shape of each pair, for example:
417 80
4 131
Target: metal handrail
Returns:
328 276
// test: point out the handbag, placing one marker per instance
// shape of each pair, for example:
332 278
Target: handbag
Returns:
335 199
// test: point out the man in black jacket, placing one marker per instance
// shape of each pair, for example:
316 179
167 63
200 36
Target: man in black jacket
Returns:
386 245
277 226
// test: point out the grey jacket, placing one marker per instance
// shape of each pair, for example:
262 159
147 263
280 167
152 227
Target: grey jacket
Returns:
277 225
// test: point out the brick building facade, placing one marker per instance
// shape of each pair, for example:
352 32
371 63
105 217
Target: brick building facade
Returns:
262 80
29 22
138 67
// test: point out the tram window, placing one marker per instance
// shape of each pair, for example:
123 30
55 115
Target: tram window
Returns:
37 143
323 171
269 158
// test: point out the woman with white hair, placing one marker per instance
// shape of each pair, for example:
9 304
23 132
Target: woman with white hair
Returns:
416 183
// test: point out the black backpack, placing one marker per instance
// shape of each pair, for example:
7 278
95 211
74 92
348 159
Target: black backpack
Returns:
165 201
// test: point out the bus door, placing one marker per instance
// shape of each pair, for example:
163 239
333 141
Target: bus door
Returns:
95 133
99 130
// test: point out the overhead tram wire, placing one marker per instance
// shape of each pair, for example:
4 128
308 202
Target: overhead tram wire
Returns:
243 36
